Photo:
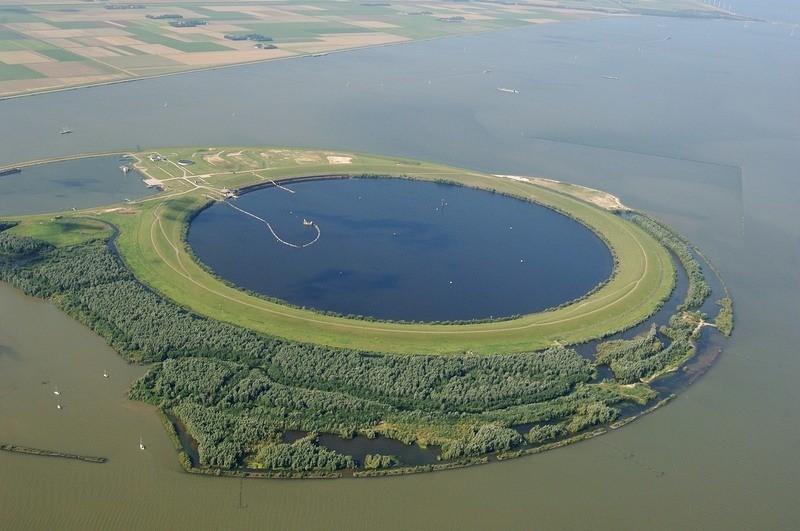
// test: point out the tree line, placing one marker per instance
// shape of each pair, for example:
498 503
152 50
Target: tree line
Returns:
237 391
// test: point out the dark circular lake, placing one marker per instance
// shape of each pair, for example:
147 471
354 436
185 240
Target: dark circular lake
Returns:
400 249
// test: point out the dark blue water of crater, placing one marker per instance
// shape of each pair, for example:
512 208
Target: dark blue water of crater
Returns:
389 249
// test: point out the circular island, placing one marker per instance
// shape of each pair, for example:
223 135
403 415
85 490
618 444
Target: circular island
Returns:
248 384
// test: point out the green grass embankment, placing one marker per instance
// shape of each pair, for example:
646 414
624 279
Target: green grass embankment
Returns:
152 246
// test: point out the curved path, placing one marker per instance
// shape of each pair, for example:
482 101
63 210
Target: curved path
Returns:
278 238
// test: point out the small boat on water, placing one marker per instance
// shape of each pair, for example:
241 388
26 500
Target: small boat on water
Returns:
307 222
105 374
59 406
509 90
615 78
141 445
9 171
56 392
65 130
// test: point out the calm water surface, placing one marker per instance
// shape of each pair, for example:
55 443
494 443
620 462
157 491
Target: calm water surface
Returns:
701 130
401 250
64 185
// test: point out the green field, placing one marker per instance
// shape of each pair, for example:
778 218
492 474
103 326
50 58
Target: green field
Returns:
152 246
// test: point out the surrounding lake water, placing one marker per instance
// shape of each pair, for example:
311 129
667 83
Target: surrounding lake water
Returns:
401 250
68 184
701 130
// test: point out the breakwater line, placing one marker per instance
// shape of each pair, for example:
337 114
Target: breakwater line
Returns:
49 453
274 234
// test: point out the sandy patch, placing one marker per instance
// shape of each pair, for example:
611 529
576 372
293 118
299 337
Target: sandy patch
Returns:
68 69
154 49
242 159
62 43
92 41
97 51
590 195
25 85
12 87
58 34
233 56
333 159
119 40
120 51
307 159
540 20
331 42
31 26
474 16
75 33
22 57
370 24
216 159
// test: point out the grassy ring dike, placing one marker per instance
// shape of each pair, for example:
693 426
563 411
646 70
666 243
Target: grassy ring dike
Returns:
152 231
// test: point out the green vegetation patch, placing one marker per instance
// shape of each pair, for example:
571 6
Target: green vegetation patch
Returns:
151 37
14 72
227 16
724 319
60 54
62 231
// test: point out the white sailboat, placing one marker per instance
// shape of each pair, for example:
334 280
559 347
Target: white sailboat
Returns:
65 130
105 374
56 392
141 444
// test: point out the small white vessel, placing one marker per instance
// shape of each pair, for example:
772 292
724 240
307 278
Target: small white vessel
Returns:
65 130
509 90
141 444
105 374
56 392
59 406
